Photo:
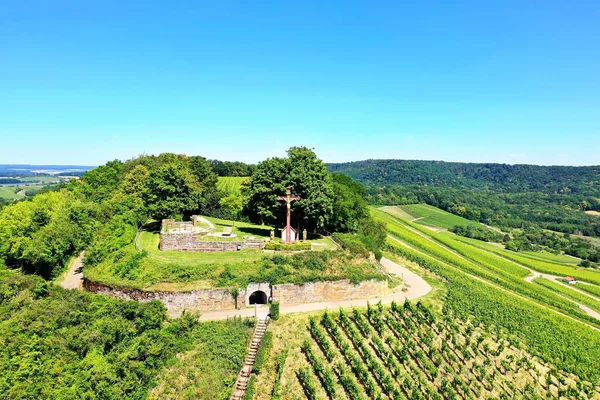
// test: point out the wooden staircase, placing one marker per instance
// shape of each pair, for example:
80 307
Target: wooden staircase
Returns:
241 382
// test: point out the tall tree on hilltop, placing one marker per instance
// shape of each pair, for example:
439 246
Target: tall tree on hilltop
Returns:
173 190
308 178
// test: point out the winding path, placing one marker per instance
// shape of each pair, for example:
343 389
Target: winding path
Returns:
417 287
73 278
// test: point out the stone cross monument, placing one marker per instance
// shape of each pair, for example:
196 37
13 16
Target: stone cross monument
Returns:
288 235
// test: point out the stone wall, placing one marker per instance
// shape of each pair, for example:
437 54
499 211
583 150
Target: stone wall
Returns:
176 302
189 242
317 292
205 300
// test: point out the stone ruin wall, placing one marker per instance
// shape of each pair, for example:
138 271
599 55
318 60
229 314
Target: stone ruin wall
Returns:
197 300
189 242
205 300
319 292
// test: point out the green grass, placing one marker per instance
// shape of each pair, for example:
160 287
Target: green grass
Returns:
231 184
427 215
241 229
589 288
586 275
8 193
149 241
148 268
554 258
569 292
208 370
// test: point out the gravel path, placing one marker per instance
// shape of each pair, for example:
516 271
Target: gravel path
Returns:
417 287
72 279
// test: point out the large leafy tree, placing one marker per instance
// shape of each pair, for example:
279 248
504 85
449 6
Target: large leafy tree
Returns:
173 190
349 207
306 175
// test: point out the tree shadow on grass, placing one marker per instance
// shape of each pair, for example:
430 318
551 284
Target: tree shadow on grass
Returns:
254 231
153 227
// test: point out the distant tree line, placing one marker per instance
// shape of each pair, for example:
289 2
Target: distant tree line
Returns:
507 196
231 168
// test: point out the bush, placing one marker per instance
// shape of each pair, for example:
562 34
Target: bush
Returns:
353 244
274 311
287 247
249 395
262 355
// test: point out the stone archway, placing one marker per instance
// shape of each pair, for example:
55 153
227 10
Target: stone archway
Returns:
258 297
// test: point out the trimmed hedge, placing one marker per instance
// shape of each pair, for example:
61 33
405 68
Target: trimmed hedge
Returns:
262 355
250 388
274 311
287 247
279 365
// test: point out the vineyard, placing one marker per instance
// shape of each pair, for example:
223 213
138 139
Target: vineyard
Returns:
406 352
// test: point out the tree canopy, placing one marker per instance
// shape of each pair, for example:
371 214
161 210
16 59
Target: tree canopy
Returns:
308 178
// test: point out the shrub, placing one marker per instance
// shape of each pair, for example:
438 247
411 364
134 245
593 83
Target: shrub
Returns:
287 247
274 311
262 355
250 388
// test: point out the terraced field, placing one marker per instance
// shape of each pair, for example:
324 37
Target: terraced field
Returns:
427 215
407 352
231 184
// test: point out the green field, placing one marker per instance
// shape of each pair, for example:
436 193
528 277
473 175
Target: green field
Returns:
8 193
539 264
427 215
555 258
404 352
491 289
231 184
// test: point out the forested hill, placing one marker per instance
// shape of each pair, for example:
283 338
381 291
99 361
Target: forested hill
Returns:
497 177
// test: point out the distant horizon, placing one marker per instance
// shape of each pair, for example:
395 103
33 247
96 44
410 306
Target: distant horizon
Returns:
80 166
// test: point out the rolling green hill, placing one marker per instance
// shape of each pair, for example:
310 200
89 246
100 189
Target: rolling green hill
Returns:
231 184
427 215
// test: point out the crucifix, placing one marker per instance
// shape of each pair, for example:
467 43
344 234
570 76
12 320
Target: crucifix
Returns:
286 235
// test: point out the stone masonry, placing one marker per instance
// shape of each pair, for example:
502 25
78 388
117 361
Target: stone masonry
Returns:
317 292
222 299
190 242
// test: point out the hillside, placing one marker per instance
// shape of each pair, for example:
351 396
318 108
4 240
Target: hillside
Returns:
496 177
490 329
506 196
427 215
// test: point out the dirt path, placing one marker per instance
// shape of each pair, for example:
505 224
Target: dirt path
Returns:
72 279
417 287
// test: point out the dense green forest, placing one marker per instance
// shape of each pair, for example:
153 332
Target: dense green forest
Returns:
65 344
507 196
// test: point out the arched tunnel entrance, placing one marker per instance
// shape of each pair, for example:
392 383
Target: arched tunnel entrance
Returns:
258 297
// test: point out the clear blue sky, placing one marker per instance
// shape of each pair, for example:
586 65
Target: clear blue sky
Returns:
84 82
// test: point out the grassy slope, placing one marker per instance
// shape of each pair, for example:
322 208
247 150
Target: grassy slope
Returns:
209 369
587 275
231 184
429 216
8 193
552 336
569 292
186 271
